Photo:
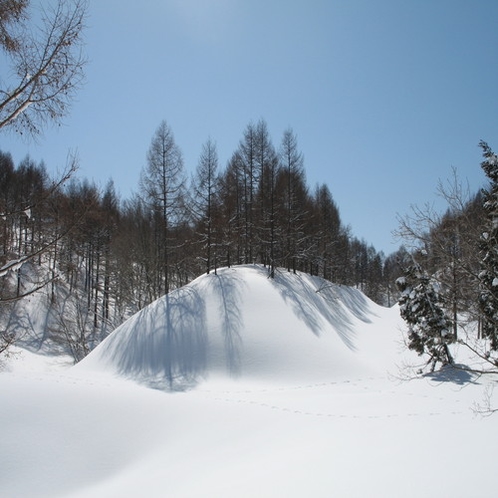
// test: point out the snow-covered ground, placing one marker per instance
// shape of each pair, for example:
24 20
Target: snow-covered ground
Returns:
284 388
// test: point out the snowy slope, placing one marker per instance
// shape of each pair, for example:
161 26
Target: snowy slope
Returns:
241 324
293 393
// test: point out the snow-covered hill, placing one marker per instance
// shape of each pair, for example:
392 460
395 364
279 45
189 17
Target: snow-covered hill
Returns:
281 388
241 324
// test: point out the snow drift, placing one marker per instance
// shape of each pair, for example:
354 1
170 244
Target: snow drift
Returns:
240 323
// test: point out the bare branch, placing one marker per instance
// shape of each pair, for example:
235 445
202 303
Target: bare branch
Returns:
48 69
485 409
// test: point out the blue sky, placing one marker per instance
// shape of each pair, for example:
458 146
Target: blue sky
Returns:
385 96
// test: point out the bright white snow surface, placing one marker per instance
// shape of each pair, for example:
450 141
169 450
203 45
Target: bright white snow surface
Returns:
242 386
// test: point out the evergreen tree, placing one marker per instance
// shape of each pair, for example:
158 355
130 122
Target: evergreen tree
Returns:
489 246
429 328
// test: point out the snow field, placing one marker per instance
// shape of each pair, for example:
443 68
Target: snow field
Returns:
290 393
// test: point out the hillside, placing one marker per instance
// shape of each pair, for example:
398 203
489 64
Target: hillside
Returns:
281 388
242 324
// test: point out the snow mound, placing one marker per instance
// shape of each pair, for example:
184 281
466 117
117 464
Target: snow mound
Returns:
240 323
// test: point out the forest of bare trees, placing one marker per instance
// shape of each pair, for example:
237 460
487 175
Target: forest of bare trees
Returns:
110 257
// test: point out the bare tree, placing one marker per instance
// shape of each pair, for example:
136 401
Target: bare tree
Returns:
327 233
292 193
204 187
163 184
19 248
45 63
15 261
246 155
232 213
266 162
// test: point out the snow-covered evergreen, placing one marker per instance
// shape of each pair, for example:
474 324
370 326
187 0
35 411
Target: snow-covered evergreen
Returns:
489 247
429 327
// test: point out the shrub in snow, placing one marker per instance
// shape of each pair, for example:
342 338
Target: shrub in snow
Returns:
429 328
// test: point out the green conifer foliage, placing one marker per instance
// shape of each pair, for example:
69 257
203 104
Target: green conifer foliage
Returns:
429 328
488 275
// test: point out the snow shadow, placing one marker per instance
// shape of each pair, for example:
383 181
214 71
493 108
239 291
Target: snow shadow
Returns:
19 324
164 345
354 300
454 374
331 303
229 287
30 329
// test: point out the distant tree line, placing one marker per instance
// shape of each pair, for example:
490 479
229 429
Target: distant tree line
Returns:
110 257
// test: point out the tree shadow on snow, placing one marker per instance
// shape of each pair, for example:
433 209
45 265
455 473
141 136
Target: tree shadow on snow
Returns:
165 345
229 288
455 374
333 304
